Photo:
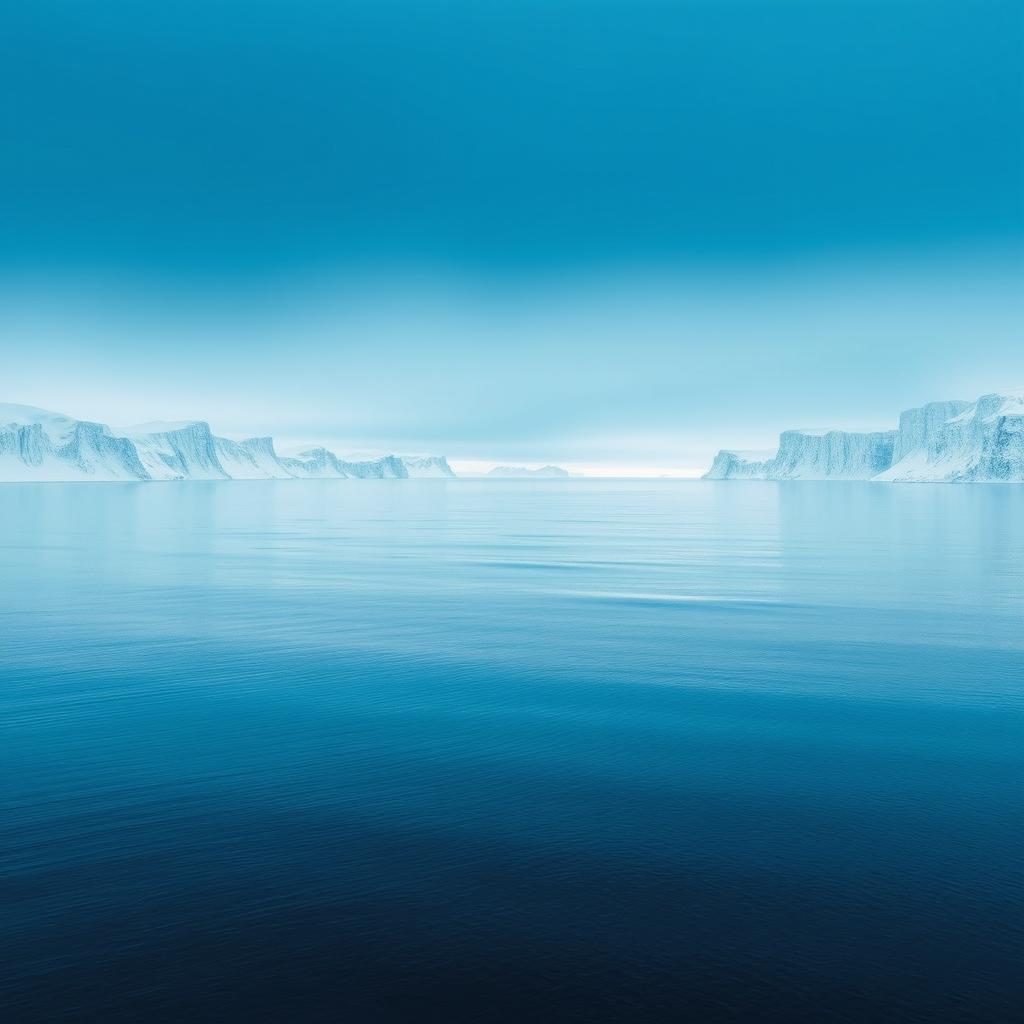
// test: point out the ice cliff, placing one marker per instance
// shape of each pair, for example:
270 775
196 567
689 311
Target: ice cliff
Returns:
39 445
319 462
252 459
177 451
951 441
427 466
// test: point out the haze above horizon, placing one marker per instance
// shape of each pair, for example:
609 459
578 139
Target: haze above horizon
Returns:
606 235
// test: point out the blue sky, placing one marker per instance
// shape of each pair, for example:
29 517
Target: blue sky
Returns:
605 233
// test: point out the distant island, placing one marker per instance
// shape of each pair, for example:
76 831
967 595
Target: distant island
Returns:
39 445
944 442
511 471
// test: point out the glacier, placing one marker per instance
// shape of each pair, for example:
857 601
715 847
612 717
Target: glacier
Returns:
251 459
36 444
177 451
427 466
941 442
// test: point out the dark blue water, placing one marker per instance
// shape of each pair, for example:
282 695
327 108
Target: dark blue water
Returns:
498 751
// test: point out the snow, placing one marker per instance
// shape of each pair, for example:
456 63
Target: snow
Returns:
158 426
56 426
951 441
435 466
251 459
36 444
982 442
730 465
181 452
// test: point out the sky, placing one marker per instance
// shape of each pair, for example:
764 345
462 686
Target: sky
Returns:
610 234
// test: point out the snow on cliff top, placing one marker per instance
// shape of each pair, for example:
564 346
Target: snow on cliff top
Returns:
1011 403
56 425
159 427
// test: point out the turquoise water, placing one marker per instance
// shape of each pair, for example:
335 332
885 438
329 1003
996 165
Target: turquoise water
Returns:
479 750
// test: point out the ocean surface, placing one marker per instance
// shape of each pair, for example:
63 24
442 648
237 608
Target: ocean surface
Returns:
511 751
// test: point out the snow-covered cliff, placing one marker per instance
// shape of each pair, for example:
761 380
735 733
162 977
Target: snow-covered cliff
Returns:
427 466
322 463
832 455
983 441
387 467
943 441
738 465
177 451
251 459
811 455
918 426
39 445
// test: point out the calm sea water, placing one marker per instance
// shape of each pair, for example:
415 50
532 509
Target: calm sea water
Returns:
505 751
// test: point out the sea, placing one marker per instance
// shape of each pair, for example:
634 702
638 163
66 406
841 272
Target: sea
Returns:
511 750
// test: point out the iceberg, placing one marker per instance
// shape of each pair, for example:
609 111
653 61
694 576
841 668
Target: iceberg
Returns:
435 466
947 442
177 451
735 465
319 463
388 467
251 459
39 445
36 444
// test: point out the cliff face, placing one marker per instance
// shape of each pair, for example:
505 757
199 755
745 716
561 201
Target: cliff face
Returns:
389 467
953 441
252 459
36 445
427 466
39 445
805 455
729 465
93 449
918 427
184 451
314 463
319 462
836 455
981 442
1002 444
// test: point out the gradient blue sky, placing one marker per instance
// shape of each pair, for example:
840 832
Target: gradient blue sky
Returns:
614 233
